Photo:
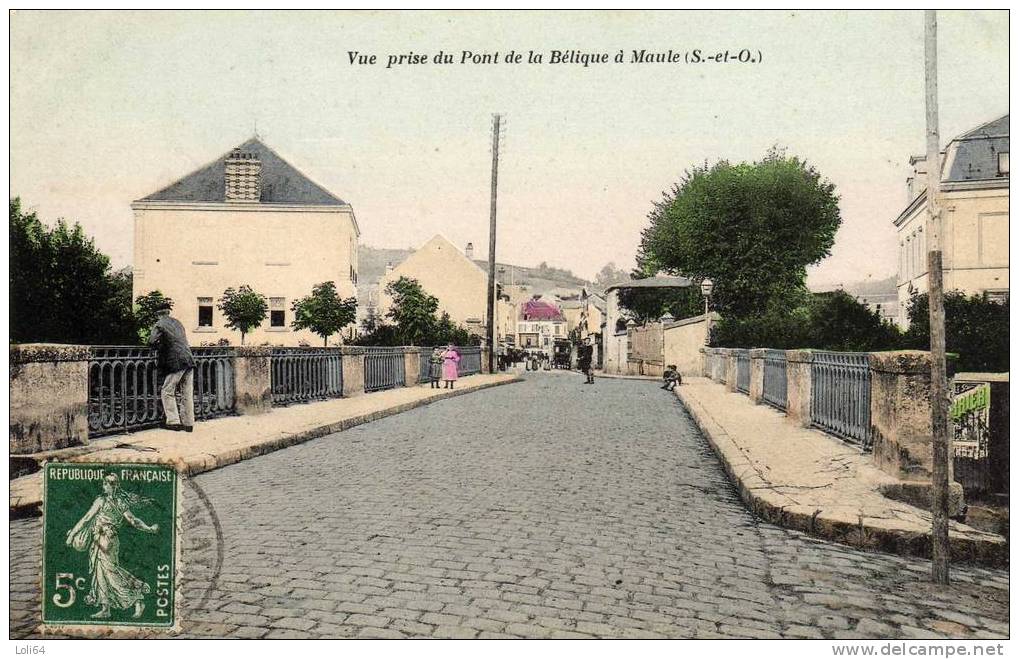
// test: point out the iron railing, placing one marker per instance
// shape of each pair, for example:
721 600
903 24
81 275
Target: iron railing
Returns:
470 362
715 364
299 375
383 368
425 366
840 395
742 370
775 379
124 384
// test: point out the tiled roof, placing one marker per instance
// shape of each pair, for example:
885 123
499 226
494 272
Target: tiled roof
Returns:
281 182
973 156
540 310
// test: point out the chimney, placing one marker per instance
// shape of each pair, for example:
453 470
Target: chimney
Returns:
469 251
243 176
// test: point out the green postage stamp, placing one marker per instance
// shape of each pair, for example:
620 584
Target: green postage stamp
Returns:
110 545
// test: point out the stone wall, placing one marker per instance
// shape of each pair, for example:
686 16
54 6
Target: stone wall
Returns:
49 389
48 397
683 341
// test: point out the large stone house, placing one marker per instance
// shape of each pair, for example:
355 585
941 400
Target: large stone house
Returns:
247 218
974 211
448 274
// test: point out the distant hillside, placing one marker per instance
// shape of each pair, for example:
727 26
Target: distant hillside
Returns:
372 265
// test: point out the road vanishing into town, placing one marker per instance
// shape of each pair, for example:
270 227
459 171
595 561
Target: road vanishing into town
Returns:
548 508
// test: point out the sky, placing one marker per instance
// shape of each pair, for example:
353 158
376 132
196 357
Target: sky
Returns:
108 107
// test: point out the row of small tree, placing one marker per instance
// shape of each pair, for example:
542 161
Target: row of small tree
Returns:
323 312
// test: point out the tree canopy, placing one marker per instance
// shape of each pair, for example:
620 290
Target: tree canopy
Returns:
243 308
413 309
324 312
975 328
146 312
753 228
62 289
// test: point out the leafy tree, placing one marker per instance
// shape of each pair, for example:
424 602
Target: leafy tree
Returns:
823 321
752 228
244 309
413 310
446 331
324 312
608 275
975 328
62 289
146 309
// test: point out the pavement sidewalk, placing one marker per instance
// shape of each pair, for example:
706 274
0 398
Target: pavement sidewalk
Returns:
813 482
220 442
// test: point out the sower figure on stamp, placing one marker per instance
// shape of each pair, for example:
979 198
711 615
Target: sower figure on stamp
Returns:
177 367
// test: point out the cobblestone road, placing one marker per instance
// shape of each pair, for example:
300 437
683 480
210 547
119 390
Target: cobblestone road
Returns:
542 509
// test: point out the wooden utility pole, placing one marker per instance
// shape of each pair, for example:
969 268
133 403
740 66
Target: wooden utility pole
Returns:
936 305
492 324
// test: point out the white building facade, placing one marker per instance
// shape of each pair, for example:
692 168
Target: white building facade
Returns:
247 218
974 211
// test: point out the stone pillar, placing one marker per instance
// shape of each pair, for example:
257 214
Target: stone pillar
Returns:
48 397
900 418
484 359
411 366
730 369
900 413
757 374
253 379
798 386
353 371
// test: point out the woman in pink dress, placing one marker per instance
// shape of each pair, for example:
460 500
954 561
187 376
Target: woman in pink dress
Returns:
450 362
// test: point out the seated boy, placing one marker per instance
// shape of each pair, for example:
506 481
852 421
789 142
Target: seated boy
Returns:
671 377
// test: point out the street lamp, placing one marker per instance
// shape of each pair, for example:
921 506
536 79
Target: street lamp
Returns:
706 287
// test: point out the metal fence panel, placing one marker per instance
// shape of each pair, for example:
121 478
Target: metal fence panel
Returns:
840 395
775 379
124 384
383 368
742 370
470 362
300 375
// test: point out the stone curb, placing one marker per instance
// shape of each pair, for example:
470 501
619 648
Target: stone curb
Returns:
193 467
774 507
613 376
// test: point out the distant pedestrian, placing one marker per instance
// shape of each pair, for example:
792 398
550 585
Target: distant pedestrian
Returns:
177 366
435 367
672 378
585 354
450 362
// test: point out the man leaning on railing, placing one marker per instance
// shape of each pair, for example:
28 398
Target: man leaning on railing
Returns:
177 366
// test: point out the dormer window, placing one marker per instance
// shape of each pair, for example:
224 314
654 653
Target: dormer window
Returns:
1003 163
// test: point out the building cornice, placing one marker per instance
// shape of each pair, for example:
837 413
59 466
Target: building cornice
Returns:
254 207
951 186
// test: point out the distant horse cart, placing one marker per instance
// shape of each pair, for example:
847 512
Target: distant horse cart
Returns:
561 352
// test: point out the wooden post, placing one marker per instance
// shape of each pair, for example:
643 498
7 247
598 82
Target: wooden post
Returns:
936 304
492 341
